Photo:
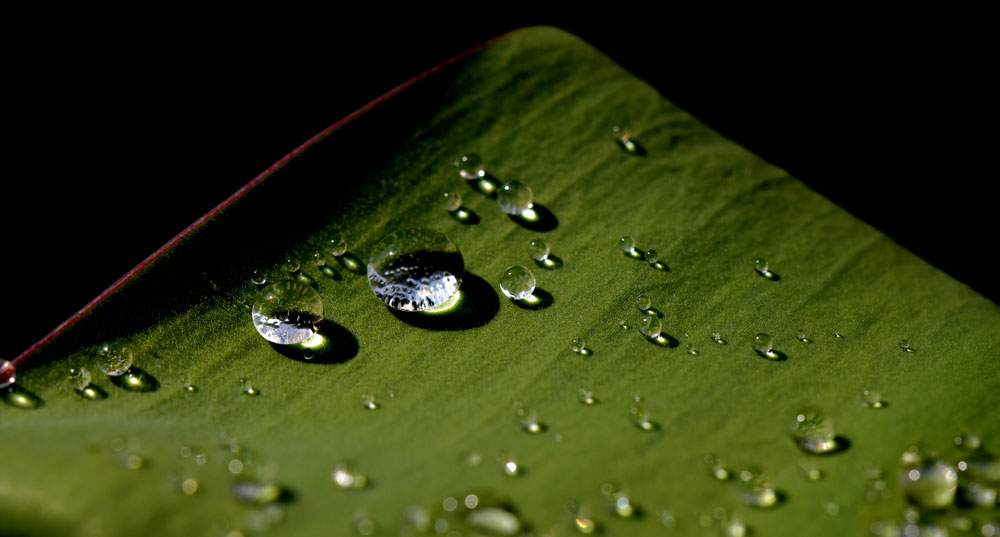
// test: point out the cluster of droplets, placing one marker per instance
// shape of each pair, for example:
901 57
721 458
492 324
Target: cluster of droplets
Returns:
628 247
513 197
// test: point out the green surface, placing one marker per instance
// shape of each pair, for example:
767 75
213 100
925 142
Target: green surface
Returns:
538 106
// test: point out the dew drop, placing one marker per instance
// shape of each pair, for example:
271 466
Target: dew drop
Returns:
415 270
247 388
836 333
650 326
872 399
538 250
287 312
904 345
290 265
346 478
255 492
624 139
508 465
624 326
189 486
760 496
259 277
763 345
641 420
980 495
529 421
190 388
494 521
579 346
930 484
515 197
968 442
813 432
762 268
79 378
368 401
7 373
451 201
586 396
643 303
627 245
470 166
717 338
318 260
716 468
584 525
689 348
651 257
336 247
517 283
810 470
801 336
114 360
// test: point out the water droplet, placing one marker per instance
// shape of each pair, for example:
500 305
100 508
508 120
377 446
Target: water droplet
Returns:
810 470
7 373
517 283
990 529
415 270
494 521
668 520
627 245
508 465
291 265
133 461
451 201
259 277
318 260
368 401
248 388
19 397
586 396
760 496
968 442
836 333
814 432
515 197
716 468
650 326
651 257
801 336
114 360
762 268
624 139
538 250
904 344
717 338
470 166
764 346
643 303
733 527
189 486
872 399
579 346
930 484
584 524
287 312
79 378
345 478
689 348
641 420
255 492
336 247
191 388
980 495
619 499
623 325
529 421
235 466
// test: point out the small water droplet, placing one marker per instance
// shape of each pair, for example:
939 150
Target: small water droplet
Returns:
627 245
643 303
259 277
336 247
584 525
990 529
810 470
651 257
255 492
497 521
368 401
579 346
762 268
287 312
290 265
904 345
346 478
641 420
517 283
832 508
79 378
133 461
650 326
114 360
189 486
624 326
717 338
968 442
689 348
872 399
7 373
538 249
620 502
235 466
624 138
470 166
586 396
191 388
837 334
509 466
451 201
760 496
248 388
764 346
931 484
814 432
515 197
716 468
528 420
801 336
415 270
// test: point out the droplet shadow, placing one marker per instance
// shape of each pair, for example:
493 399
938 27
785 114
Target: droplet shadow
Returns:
486 184
660 266
339 346
550 262
18 396
539 300
136 380
664 340
479 304
842 444
543 220
632 147
465 216
306 279
92 392
330 272
351 263
774 355
768 275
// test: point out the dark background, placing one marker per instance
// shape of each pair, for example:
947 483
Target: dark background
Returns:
118 139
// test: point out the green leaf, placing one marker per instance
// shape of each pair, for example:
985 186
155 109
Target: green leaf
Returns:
538 105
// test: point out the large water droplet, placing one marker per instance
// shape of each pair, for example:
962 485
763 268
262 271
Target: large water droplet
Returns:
930 484
287 312
517 283
7 373
415 270
814 432
114 360
651 257
17 396
470 166
515 197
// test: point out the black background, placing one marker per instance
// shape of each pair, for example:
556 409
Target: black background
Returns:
119 138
